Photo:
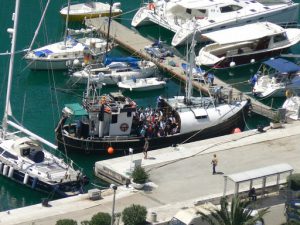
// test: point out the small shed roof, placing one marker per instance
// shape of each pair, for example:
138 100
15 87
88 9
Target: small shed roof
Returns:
260 172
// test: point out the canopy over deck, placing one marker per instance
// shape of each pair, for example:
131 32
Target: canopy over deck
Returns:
282 65
244 33
260 173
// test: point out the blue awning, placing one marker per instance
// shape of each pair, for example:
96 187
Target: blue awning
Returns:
282 65
43 53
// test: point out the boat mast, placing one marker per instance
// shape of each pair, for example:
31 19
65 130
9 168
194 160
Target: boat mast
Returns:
13 32
189 85
67 24
39 26
108 28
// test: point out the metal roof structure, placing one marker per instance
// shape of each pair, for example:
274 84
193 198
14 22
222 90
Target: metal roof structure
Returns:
260 173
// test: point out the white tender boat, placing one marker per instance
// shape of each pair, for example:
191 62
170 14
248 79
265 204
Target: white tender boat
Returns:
276 77
184 16
81 11
115 72
143 84
23 159
250 43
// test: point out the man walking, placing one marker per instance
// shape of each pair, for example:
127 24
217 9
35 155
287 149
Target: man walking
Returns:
214 163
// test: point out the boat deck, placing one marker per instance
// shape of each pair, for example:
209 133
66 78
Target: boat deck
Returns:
133 42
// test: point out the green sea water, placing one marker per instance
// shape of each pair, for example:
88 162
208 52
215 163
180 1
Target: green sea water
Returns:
38 96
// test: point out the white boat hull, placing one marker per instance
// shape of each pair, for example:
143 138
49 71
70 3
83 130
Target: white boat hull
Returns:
60 55
111 77
148 84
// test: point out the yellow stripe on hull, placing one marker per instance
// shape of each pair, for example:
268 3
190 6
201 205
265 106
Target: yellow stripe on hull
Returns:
81 17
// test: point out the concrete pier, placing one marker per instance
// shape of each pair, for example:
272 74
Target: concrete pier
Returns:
133 42
179 177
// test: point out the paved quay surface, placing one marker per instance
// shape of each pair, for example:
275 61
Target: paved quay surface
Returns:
179 183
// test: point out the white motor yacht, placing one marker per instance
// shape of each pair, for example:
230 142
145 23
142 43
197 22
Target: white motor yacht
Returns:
250 43
276 77
91 9
117 70
184 16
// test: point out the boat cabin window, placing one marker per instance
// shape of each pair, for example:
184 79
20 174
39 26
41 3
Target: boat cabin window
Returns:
201 117
9 155
1 150
128 114
189 11
230 8
203 11
279 37
114 119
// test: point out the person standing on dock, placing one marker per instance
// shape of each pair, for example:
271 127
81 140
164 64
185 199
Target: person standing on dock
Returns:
214 163
146 147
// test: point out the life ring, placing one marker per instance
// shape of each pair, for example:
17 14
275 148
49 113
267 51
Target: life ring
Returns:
124 127
151 6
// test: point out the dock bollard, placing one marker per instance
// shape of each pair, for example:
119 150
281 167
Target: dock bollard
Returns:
153 217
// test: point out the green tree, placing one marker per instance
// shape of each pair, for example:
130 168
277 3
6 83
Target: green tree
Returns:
134 215
101 219
66 222
239 213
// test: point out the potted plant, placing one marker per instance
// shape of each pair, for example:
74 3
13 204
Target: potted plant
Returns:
275 123
139 177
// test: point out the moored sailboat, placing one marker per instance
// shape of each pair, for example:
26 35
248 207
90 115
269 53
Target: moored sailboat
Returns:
59 55
23 159
114 121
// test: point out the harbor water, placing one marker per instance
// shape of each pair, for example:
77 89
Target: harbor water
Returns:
38 96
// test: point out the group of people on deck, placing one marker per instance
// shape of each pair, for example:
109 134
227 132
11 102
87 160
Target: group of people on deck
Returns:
152 122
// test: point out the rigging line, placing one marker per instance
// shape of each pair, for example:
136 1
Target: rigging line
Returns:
16 52
23 110
39 25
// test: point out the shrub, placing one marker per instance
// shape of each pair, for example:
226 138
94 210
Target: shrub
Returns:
101 219
139 175
134 215
85 222
293 181
66 222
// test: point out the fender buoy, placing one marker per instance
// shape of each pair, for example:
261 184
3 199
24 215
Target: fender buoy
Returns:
151 6
236 130
110 150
